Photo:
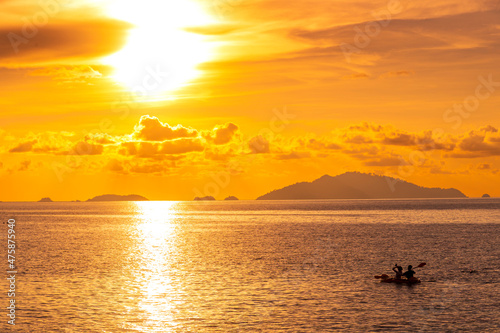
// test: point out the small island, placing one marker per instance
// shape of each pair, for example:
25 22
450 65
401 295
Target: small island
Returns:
486 195
231 197
115 197
45 200
207 198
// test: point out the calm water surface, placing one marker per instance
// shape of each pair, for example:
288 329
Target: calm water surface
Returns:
280 266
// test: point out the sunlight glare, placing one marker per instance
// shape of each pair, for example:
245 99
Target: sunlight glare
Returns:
160 56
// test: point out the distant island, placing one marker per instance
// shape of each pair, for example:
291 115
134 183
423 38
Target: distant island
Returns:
45 200
115 197
486 195
231 197
356 185
207 198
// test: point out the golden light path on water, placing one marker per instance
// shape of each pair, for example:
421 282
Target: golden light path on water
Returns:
156 249
160 56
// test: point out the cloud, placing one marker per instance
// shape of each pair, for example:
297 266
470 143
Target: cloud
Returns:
355 76
101 138
85 148
259 145
484 166
24 166
397 74
148 168
53 43
114 165
68 74
181 146
23 147
294 155
152 129
386 161
358 139
484 142
222 134
153 150
315 144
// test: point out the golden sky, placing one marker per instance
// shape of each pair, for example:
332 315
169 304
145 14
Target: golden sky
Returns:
176 99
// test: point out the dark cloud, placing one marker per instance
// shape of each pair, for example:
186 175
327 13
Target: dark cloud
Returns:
23 147
222 134
114 165
294 155
59 41
259 145
385 161
24 166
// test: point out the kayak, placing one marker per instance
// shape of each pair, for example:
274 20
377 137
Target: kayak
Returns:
401 281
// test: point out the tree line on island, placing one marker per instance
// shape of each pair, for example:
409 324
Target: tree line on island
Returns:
350 185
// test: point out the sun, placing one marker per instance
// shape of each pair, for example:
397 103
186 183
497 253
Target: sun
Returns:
160 55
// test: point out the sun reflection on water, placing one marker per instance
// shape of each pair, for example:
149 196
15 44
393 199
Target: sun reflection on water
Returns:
156 254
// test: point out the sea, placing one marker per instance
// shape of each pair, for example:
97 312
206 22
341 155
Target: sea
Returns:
251 266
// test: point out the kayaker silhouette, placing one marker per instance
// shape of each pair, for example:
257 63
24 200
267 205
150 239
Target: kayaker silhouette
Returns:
398 270
409 273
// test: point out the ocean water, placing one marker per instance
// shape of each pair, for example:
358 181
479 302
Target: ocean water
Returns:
252 266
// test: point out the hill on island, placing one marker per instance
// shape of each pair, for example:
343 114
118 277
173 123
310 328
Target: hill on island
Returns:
115 197
207 198
355 185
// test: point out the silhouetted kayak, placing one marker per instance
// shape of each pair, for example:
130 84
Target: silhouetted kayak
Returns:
384 278
401 281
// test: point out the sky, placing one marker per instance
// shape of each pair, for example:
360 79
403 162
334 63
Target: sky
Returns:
177 99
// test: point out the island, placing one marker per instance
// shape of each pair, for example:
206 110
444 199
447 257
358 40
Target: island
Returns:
45 200
207 198
115 197
231 197
356 185
486 195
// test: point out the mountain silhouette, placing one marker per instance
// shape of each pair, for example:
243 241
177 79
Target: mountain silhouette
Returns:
115 197
356 185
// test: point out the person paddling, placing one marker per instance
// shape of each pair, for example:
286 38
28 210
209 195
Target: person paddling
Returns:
409 273
398 270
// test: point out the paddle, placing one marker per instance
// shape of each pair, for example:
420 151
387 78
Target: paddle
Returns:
422 264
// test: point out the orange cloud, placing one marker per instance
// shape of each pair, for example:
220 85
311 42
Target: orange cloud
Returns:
222 134
152 129
482 143
23 147
152 150
259 145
